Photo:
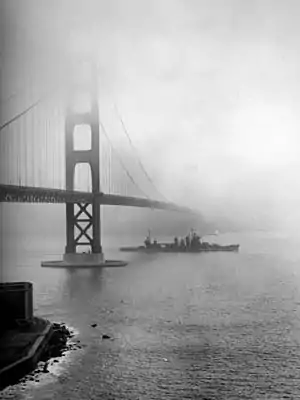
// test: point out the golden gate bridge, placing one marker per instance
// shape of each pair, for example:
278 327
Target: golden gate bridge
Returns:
52 143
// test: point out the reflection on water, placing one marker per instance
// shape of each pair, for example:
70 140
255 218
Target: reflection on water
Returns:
82 284
203 326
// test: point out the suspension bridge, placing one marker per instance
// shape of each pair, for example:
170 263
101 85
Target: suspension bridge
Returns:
57 150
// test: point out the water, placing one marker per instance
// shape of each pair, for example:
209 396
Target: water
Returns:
198 326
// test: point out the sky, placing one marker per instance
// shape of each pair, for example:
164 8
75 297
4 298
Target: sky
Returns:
208 89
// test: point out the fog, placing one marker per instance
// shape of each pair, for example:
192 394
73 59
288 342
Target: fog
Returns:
208 89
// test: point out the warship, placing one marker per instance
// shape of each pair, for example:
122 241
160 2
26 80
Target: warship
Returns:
192 243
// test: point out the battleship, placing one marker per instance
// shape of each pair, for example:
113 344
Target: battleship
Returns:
192 243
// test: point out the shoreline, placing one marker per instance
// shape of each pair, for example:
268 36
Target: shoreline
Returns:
25 347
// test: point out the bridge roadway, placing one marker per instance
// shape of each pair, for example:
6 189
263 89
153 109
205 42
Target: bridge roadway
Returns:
30 194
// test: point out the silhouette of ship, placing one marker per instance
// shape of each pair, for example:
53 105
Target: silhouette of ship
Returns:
192 243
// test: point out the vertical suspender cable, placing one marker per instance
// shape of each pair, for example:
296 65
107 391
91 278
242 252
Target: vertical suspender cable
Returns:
52 152
125 187
122 164
18 161
8 144
135 150
12 151
107 152
46 156
56 151
53 144
53 135
31 151
58 141
102 165
44 132
25 144
18 155
13 155
6 155
112 169
38 145
11 158
109 170
60 144
44 150
2 160
41 145
34 148
1 244
21 142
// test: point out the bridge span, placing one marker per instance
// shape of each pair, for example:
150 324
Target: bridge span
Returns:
31 194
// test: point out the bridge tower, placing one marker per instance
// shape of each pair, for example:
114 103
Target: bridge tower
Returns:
83 217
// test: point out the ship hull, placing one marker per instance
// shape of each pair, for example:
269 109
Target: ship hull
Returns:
143 249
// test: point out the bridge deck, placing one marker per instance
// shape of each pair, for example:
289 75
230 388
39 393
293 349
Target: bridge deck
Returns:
29 194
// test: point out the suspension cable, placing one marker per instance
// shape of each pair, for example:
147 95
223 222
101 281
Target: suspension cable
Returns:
29 108
136 152
121 162
16 117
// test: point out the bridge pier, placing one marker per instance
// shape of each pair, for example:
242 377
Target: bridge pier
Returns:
83 217
83 258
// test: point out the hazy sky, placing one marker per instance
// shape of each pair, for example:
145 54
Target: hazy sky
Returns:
208 89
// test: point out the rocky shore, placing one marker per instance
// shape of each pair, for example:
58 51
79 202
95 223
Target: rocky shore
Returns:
55 345
58 343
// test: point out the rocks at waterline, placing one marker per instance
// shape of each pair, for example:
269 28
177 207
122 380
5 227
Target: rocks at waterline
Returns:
58 343
106 336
